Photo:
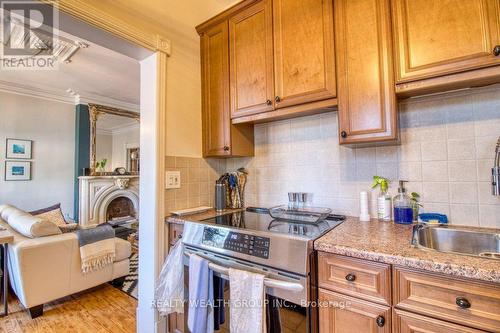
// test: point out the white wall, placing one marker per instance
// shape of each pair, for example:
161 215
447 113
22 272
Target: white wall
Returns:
121 139
446 152
113 146
51 126
104 149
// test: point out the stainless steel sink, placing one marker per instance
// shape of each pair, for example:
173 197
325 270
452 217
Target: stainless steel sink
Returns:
459 240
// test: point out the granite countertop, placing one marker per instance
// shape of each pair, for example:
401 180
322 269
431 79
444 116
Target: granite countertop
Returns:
390 243
199 216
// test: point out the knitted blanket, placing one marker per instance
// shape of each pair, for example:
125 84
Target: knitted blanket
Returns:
97 247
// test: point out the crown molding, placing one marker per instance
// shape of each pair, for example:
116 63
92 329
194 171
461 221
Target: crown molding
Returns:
118 129
107 101
37 92
86 11
63 96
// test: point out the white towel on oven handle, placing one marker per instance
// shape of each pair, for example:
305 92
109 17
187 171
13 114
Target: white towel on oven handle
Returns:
247 309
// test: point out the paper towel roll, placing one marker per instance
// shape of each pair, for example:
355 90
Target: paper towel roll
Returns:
363 206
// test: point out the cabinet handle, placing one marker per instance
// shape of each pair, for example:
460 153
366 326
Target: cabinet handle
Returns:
277 99
380 321
496 50
462 302
269 102
343 134
226 148
350 277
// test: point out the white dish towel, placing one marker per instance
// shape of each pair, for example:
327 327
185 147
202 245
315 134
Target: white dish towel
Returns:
247 296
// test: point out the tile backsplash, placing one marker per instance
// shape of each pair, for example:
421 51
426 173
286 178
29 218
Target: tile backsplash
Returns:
446 154
198 177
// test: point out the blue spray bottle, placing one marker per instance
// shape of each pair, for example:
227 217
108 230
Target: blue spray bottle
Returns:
403 211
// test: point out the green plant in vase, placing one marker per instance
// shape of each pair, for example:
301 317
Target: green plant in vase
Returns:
384 202
415 201
100 166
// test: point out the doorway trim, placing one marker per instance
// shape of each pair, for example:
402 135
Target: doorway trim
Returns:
148 319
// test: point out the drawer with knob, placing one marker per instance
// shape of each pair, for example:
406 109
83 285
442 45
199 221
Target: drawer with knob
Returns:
469 303
341 314
356 277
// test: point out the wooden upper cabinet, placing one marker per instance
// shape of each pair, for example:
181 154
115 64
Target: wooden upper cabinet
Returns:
220 137
435 38
215 87
365 78
303 51
251 60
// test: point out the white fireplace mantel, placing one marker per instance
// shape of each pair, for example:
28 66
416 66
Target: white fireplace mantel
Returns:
97 192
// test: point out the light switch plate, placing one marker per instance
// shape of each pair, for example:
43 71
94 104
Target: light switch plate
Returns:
173 179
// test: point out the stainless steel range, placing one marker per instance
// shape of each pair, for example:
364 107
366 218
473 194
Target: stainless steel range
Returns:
280 249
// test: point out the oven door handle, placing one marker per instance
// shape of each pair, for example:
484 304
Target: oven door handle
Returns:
270 283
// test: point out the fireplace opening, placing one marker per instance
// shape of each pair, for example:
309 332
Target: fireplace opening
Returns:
120 210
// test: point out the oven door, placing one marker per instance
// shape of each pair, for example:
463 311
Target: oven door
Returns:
287 311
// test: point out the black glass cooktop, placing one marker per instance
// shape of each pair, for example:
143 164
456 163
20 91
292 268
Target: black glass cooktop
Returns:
260 220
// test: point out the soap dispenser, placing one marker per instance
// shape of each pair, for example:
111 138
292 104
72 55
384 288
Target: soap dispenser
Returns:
403 211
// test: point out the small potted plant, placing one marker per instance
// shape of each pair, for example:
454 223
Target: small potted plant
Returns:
415 201
100 166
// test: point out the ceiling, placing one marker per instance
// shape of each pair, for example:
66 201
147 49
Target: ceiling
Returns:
166 15
111 122
95 74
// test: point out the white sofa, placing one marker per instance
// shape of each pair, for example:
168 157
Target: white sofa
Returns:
46 268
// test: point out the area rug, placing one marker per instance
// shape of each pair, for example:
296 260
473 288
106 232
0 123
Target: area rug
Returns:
131 281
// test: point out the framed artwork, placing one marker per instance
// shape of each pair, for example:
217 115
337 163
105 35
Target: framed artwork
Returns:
18 149
17 170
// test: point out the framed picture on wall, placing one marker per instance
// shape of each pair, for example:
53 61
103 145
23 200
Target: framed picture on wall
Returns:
19 149
17 170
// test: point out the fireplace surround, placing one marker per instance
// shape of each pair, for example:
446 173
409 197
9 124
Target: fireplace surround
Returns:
97 193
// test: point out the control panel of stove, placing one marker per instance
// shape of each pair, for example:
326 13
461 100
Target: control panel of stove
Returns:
236 241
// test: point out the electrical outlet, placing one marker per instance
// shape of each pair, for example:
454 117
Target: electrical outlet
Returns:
173 179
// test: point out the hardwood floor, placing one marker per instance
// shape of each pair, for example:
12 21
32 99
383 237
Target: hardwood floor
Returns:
101 309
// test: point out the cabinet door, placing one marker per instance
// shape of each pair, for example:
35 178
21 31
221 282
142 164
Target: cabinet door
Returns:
435 38
367 101
303 51
407 322
251 60
344 314
215 87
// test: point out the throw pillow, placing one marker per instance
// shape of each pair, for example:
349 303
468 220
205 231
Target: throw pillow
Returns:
29 225
52 214
70 227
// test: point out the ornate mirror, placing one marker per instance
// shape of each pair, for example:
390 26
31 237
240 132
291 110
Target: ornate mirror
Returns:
114 141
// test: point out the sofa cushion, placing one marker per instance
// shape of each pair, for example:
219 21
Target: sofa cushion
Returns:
27 224
6 210
123 249
52 214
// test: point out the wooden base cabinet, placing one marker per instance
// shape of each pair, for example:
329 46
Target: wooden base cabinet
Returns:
365 79
407 322
343 314
353 297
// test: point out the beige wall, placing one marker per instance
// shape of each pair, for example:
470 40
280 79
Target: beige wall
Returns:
176 20
446 152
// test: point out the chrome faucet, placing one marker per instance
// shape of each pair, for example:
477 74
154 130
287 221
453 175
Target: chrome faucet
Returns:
495 172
